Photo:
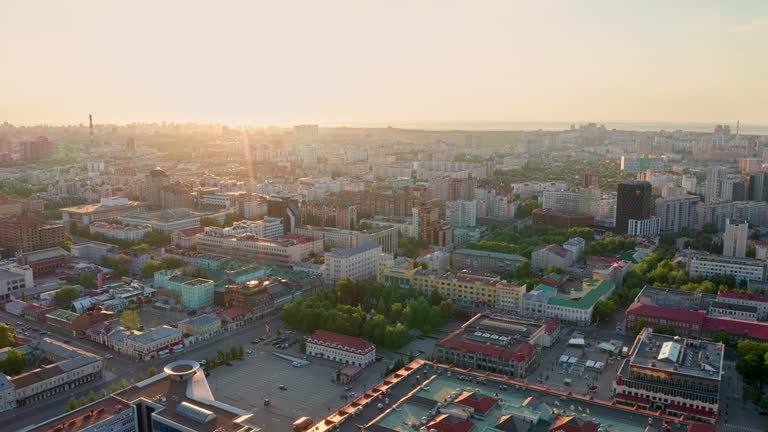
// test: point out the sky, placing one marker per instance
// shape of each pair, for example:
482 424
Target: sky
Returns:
385 62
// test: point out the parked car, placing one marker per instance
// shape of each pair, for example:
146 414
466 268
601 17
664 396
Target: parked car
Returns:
282 387
108 356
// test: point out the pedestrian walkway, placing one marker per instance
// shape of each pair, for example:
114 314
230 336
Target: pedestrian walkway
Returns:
738 428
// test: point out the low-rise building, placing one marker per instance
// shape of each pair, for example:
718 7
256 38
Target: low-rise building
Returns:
186 238
120 232
575 306
157 342
196 293
247 247
384 236
93 251
67 367
498 344
678 376
341 348
14 280
107 208
758 301
576 245
200 325
482 261
45 261
552 255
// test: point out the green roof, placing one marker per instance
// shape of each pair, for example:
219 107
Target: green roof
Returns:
545 288
599 289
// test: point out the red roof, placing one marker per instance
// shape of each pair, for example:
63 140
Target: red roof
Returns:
33 307
235 312
325 337
572 424
477 401
631 398
758 330
743 296
693 411
454 341
762 243
448 423
644 310
191 231
551 324
701 427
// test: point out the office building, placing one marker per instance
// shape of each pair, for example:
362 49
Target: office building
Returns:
750 165
575 306
484 262
757 187
383 235
589 180
284 251
644 227
560 201
676 214
576 245
341 348
735 238
633 201
14 280
354 263
678 376
28 234
330 214
461 213
708 265
423 217
498 344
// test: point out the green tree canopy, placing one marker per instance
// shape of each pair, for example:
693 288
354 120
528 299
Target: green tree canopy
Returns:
130 319
66 295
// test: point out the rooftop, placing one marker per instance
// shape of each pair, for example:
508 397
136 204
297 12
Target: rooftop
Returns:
329 337
494 335
489 254
102 208
693 357
348 252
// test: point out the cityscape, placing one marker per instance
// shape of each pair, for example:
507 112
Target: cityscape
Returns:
314 218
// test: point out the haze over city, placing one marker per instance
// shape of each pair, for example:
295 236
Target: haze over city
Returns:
428 64
401 216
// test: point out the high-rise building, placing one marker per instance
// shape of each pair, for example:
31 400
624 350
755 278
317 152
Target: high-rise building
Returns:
676 213
461 213
633 201
757 187
712 185
750 165
689 183
732 188
423 216
735 238
156 179
641 163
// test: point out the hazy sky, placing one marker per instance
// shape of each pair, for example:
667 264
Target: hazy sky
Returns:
357 62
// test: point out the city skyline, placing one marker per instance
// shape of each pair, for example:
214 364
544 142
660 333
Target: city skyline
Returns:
346 63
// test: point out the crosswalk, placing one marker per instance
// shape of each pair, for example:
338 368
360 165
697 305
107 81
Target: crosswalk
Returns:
737 428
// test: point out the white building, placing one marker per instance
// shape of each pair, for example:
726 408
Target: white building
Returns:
545 256
576 245
758 301
709 265
341 348
7 393
735 238
461 213
641 163
355 263
309 153
120 232
605 213
14 279
268 228
158 342
689 182
644 227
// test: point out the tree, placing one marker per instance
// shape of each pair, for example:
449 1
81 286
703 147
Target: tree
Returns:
87 280
83 401
721 337
523 270
66 295
157 239
150 268
170 262
151 372
14 363
130 319
209 222
104 393
6 336
604 310
71 404
91 396
141 376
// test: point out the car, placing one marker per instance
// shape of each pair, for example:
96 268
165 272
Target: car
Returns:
65 340
255 342
348 388
282 387
43 333
296 364
109 356
353 395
